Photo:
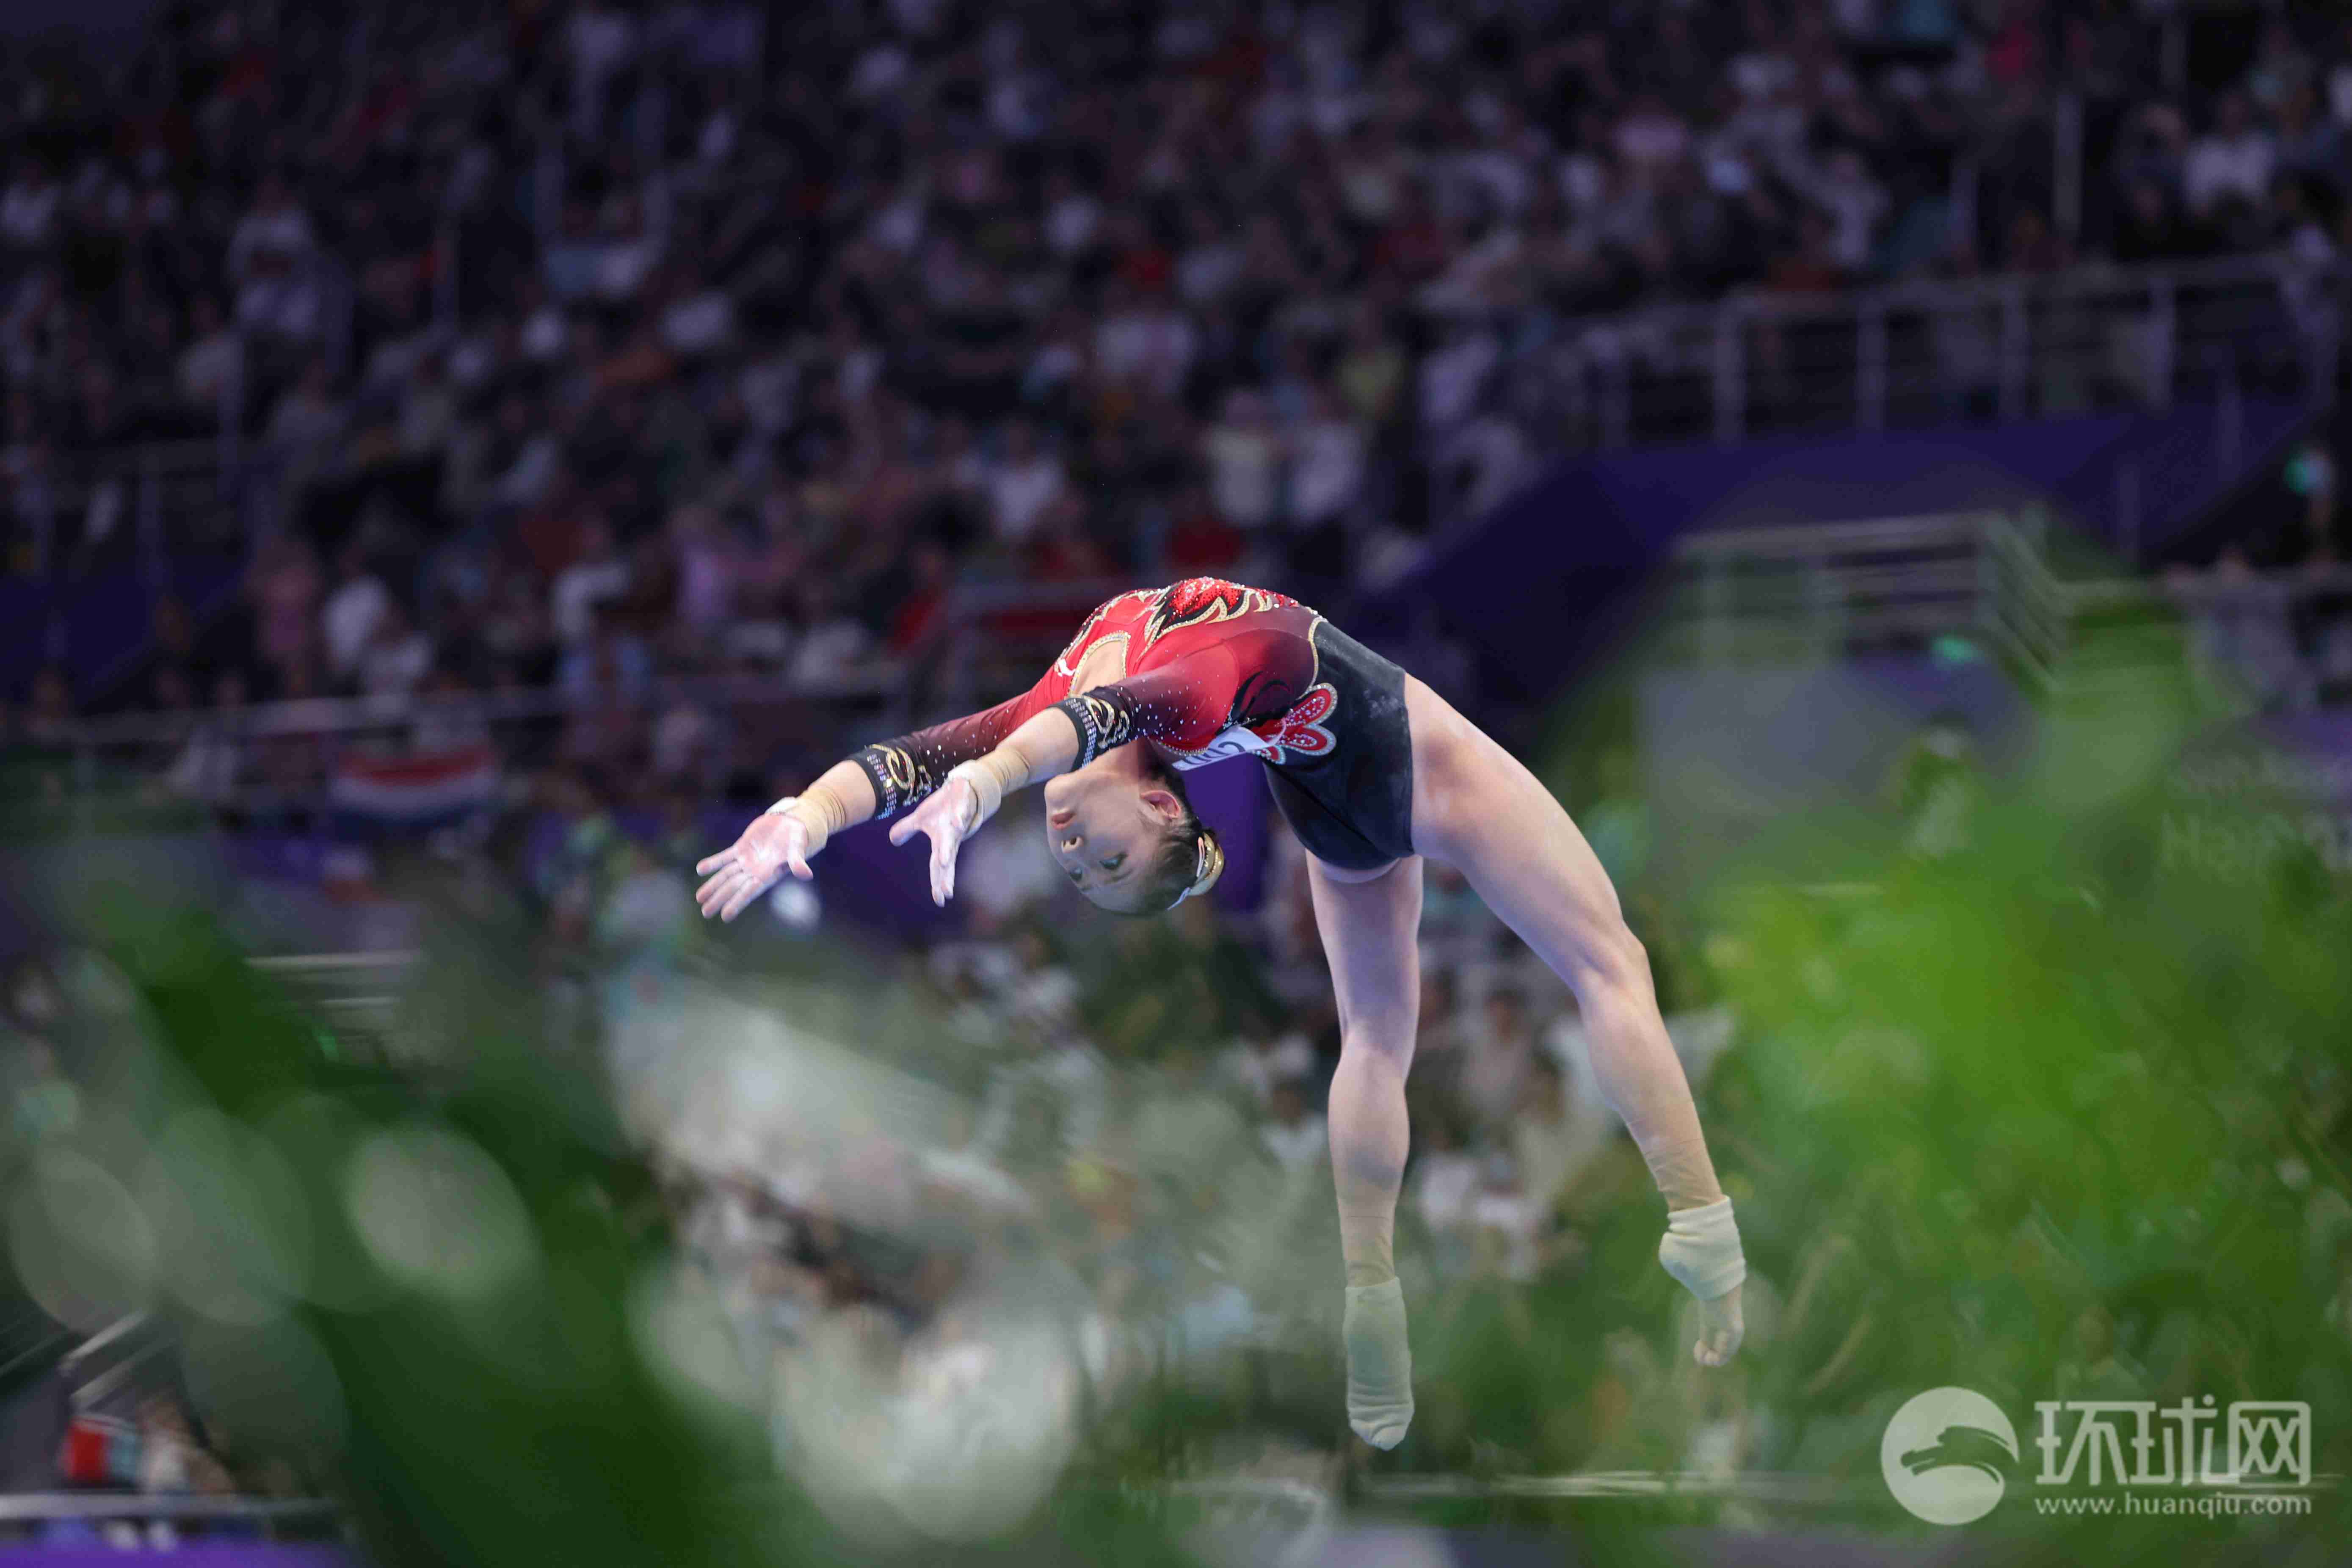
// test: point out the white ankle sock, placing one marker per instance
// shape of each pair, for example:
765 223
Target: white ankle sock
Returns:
1380 1364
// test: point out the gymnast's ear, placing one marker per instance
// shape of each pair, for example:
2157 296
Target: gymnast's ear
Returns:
1165 803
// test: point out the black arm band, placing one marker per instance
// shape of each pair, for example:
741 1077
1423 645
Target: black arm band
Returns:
899 777
1104 718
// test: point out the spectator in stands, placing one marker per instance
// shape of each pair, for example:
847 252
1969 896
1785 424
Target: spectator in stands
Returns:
2148 229
2232 161
1445 1170
1506 1221
1549 1142
213 364
283 588
353 613
1263 1059
1244 457
1022 485
1499 1056
1295 1136
598 576
397 658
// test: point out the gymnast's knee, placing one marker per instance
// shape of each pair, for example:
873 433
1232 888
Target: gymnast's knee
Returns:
1609 958
1385 1051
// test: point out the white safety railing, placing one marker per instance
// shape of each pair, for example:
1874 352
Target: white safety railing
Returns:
1819 591
2285 638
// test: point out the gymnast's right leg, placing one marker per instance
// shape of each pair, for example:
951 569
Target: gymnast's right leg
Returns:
1369 929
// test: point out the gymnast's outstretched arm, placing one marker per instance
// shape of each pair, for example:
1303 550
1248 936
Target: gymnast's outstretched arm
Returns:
955 774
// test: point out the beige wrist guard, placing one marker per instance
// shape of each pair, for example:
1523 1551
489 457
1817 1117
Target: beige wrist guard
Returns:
988 783
1701 1248
820 811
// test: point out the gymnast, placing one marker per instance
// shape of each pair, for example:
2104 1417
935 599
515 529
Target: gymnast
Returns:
1374 772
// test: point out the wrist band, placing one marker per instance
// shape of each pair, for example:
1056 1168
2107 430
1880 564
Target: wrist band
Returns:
987 791
1701 1248
820 811
1104 718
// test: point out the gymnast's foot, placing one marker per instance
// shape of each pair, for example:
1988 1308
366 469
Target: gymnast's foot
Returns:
1380 1364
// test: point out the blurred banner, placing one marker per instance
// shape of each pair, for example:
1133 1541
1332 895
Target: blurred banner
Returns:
418 790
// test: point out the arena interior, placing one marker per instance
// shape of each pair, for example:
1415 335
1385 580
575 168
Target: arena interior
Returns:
1877 462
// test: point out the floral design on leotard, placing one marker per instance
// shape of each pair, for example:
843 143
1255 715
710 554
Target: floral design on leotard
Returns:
1301 729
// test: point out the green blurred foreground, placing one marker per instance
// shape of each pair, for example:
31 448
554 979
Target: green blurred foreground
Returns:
2051 1114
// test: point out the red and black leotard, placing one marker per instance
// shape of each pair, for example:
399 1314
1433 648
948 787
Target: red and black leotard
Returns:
1213 670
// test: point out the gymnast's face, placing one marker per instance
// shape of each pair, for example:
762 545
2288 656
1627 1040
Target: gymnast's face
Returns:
1105 824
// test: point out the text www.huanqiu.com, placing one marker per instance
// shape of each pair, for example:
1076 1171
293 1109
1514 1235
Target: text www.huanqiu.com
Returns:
2201 1505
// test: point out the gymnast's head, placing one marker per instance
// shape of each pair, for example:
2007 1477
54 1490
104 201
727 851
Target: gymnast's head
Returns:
1123 831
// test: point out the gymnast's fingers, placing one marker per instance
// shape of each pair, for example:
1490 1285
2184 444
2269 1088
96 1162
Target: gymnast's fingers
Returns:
944 839
720 889
748 890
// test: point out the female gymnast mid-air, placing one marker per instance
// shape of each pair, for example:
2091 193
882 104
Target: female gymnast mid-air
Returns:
1374 772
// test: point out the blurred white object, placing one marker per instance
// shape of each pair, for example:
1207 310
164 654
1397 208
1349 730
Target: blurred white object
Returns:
796 906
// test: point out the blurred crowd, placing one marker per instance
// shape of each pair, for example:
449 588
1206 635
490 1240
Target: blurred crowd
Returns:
570 342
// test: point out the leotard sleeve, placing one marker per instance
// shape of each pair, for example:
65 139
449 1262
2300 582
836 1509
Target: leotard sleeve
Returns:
904 770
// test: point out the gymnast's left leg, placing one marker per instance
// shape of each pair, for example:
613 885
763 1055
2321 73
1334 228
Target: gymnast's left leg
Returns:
1477 808
1370 927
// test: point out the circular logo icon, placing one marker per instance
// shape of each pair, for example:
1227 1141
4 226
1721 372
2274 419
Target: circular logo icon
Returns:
1947 1454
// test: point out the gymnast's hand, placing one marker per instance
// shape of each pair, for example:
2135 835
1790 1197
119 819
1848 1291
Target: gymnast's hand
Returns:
779 838
1720 1329
949 815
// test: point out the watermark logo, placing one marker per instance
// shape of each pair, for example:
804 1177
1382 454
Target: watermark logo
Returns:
2265 1442
1947 1454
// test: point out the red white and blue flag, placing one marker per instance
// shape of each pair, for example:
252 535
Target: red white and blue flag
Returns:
417 790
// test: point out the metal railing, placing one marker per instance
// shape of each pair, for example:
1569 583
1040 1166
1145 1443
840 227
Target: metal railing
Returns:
311 1517
1922 354
142 497
277 758
283 757
1807 592
1818 591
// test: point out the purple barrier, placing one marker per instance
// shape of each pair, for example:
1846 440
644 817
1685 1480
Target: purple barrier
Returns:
1230 797
97 624
1555 577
